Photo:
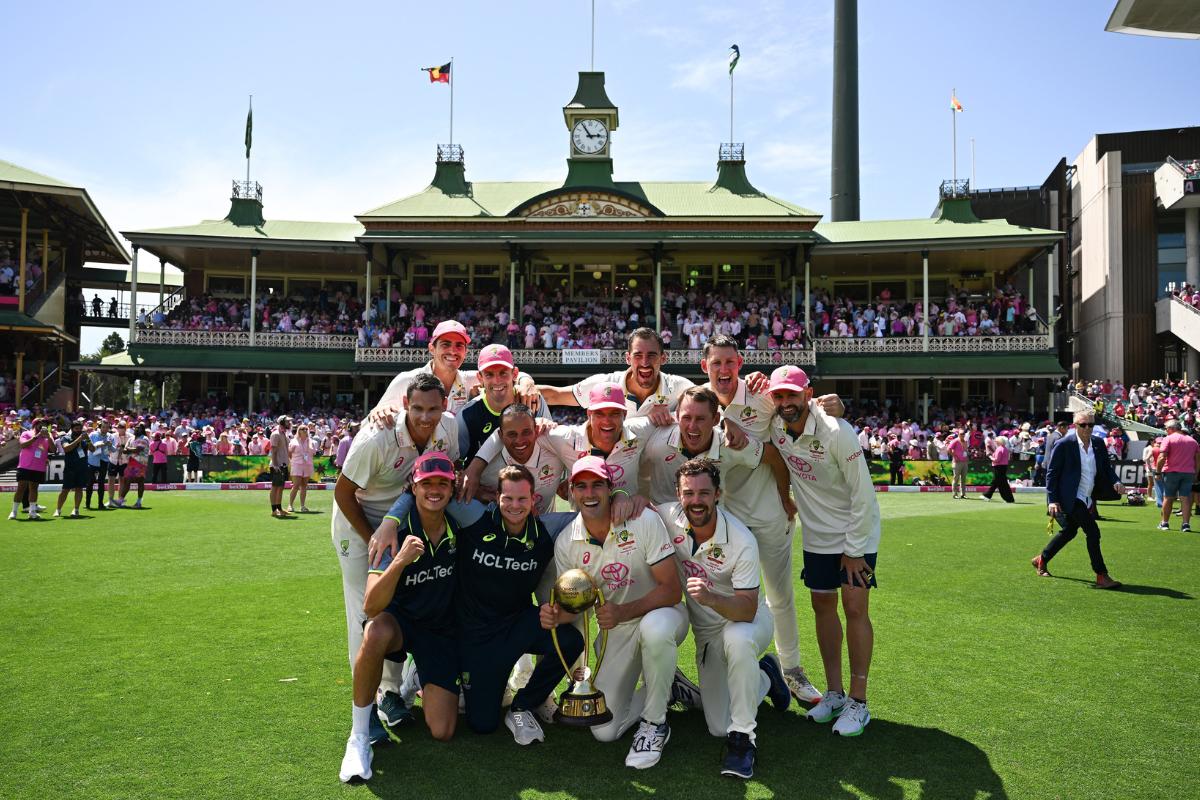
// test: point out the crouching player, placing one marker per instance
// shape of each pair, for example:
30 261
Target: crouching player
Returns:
718 557
632 564
410 605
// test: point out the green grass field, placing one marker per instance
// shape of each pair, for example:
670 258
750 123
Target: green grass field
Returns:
197 649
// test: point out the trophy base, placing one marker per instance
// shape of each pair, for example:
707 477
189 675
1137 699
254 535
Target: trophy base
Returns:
582 710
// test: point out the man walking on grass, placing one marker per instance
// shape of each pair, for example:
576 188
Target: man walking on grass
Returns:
1079 468
1178 460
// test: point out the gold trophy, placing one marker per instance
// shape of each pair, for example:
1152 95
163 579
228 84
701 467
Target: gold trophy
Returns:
584 705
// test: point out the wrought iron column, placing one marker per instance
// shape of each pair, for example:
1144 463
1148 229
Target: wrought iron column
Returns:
21 266
253 294
808 322
133 276
162 280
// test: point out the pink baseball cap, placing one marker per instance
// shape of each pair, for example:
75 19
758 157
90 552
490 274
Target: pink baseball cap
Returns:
606 395
591 465
451 328
434 464
788 378
495 354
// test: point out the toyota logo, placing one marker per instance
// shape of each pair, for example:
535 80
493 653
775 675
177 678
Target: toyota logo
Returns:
615 472
799 464
614 573
694 570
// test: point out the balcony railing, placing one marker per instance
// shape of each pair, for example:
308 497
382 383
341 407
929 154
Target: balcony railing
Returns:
937 344
247 190
955 188
731 151
290 341
533 358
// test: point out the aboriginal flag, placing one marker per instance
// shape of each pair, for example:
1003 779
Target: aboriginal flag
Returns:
438 74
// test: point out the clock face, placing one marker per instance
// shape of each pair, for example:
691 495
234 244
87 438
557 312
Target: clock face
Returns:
589 136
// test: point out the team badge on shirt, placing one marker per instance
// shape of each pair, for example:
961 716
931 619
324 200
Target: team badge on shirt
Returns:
625 541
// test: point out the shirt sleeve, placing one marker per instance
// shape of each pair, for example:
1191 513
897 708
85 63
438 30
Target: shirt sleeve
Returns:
581 390
452 436
362 460
749 456
656 544
862 491
490 450
383 563
746 574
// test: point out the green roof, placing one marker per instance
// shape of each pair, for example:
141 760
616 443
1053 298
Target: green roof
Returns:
926 365
931 230
11 318
227 359
11 173
673 198
271 230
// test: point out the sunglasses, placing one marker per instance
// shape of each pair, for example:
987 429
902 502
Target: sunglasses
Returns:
1085 424
435 465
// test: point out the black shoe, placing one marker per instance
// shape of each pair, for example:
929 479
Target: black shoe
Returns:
378 734
393 710
778 691
739 756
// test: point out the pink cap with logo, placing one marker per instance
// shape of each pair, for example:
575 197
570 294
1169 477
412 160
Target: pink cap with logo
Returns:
606 395
434 464
452 328
591 465
788 378
495 354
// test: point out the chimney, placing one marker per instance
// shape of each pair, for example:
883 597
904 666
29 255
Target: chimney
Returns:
844 183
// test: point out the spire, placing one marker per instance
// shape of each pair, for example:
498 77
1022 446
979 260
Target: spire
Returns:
451 173
731 170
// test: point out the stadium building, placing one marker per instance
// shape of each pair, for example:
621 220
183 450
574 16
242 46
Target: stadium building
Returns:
587 235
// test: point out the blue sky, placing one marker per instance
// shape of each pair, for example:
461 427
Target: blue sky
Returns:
144 103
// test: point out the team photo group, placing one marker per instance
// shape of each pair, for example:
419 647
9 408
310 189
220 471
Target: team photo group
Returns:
460 579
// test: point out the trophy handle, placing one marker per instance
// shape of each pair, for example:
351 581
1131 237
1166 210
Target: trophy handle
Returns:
603 635
554 637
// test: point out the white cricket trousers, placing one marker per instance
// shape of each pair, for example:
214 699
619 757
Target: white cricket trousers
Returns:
648 648
352 558
775 554
731 684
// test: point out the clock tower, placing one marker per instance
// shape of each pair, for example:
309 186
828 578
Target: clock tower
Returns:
591 119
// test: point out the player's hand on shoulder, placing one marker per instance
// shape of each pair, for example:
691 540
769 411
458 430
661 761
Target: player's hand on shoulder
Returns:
735 437
383 417
527 392
544 426
660 415
624 507
757 382
384 539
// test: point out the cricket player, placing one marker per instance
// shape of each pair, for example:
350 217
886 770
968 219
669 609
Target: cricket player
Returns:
409 599
717 558
375 473
480 418
839 516
523 447
652 392
633 565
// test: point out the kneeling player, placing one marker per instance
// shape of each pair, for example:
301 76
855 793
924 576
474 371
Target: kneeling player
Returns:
718 556
643 614
410 602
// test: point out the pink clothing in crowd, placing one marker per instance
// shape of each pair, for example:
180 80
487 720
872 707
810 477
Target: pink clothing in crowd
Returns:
1000 456
1179 453
158 451
301 452
34 456
956 449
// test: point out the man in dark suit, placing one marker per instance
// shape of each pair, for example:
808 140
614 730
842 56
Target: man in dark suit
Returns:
1078 471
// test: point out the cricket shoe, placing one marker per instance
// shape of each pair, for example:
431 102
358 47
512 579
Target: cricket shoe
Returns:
356 764
781 696
853 719
740 755
684 693
524 727
800 686
831 705
648 744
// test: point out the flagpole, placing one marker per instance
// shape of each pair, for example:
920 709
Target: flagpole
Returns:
972 162
954 135
731 108
453 80
593 35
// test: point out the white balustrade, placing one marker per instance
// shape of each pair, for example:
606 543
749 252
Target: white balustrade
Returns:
289 341
937 344
533 358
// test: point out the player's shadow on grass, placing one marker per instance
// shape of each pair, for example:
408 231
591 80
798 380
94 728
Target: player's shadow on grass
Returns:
797 759
1135 588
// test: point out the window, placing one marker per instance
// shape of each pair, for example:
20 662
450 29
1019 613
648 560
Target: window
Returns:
978 389
227 285
857 291
1172 256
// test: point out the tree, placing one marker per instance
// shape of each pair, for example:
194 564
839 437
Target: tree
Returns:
111 391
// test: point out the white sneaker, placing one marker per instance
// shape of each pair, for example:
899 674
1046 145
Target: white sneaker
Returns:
12 515
545 712
75 514
831 705
853 719
410 683
985 498
524 726
36 507
58 512
33 514
648 744
357 761
800 686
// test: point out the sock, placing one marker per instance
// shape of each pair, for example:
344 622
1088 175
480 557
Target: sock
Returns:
16 507
362 721
858 700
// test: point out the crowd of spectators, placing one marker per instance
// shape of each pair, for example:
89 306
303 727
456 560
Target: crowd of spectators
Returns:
1003 312
1150 403
10 270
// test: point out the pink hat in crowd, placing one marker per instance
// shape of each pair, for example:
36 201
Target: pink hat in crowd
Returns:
591 465
606 395
452 328
434 464
788 379
495 354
